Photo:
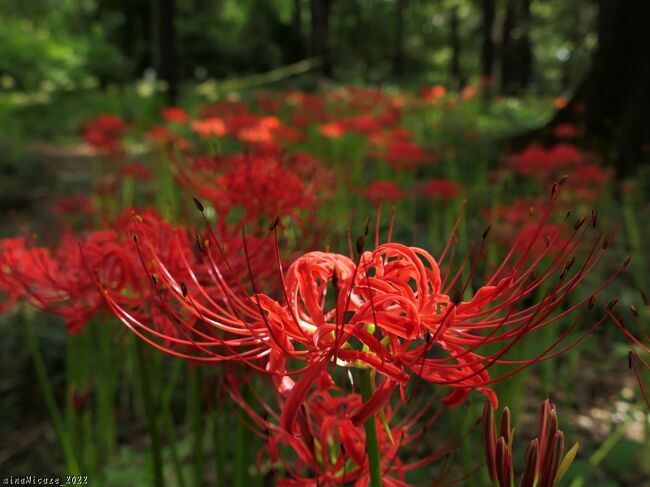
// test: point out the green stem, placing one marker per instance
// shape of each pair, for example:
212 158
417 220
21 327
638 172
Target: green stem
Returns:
372 445
150 414
48 393
240 455
196 422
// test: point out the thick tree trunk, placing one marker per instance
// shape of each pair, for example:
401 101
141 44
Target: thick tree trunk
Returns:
296 25
613 102
398 58
320 27
455 72
164 44
488 14
517 57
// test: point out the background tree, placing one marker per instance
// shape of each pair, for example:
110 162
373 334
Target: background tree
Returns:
612 102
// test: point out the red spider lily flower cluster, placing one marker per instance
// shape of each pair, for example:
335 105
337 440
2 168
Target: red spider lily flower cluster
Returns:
65 280
395 309
105 134
330 449
544 164
383 191
258 186
441 189
545 460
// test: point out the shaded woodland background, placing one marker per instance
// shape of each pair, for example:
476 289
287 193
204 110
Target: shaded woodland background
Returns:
592 51
527 67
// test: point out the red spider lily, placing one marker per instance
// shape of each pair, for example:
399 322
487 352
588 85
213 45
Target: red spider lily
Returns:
537 161
76 204
431 94
209 127
387 191
66 280
59 282
441 189
330 449
261 186
394 309
545 461
404 154
565 131
332 130
105 134
136 170
175 115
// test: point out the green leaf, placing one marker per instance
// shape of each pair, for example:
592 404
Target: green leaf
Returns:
566 463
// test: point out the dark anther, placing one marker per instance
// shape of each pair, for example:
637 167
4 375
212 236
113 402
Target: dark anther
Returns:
579 223
198 204
627 261
594 218
563 179
592 302
135 238
630 356
611 304
607 241
554 188
634 311
274 224
184 289
361 243
486 232
570 263
154 280
568 214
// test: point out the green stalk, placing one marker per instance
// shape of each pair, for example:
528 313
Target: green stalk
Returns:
150 414
372 445
48 393
219 445
240 455
105 385
602 452
168 421
196 422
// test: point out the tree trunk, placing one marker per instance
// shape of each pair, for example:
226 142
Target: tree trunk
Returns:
320 26
166 49
398 58
455 72
488 14
296 25
516 66
612 102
